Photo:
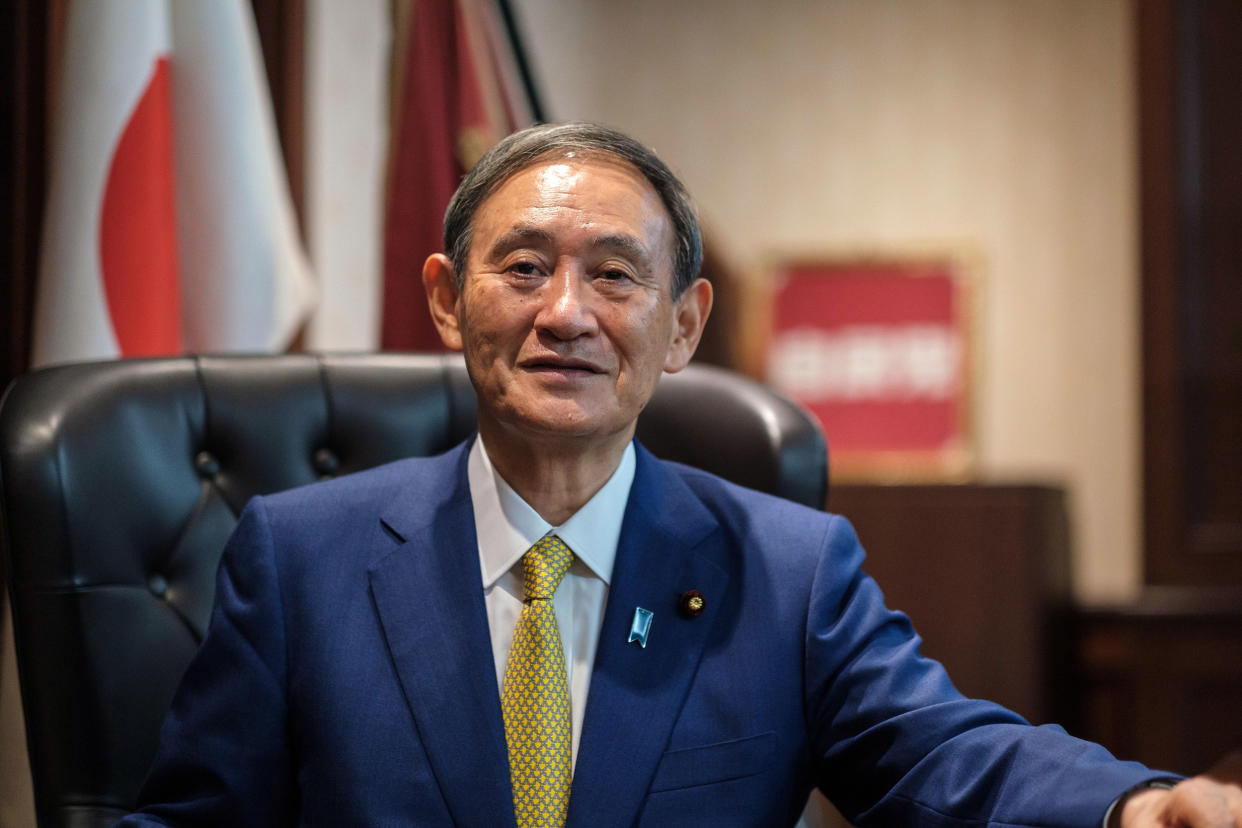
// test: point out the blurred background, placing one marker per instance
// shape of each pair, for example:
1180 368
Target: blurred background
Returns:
1087 566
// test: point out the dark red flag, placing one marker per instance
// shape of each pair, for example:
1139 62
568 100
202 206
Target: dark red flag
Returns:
455 100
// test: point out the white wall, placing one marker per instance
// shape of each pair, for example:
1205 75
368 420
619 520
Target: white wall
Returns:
1006 126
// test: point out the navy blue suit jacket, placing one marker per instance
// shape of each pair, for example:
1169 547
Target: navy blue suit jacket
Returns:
347 676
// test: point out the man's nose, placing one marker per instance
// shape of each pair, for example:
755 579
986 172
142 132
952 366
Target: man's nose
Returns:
566 311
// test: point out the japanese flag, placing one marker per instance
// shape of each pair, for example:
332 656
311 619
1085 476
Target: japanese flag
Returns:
168 225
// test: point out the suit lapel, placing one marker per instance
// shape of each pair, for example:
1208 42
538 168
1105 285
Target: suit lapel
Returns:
429 596
669 544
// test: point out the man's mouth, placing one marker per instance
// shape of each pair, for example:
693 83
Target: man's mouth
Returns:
560 364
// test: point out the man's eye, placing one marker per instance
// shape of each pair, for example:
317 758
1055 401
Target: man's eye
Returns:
524 268
614 274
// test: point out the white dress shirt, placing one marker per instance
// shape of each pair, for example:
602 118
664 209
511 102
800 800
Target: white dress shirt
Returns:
507 526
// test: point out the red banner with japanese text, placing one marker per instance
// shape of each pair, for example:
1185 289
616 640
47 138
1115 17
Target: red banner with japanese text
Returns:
878 352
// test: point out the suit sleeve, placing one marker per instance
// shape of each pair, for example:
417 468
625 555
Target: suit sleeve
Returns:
223 757
896 744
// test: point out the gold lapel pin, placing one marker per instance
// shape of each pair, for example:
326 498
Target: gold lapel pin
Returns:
692 603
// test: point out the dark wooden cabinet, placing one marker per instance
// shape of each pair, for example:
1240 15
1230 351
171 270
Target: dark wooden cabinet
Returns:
983 572
1160 680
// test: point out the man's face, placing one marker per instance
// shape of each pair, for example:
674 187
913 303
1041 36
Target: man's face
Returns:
566 315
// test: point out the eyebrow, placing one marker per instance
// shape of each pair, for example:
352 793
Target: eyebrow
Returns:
623 243
524 234
517 237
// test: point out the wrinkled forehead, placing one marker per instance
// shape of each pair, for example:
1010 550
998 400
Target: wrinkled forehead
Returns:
601 188
564 159
577 155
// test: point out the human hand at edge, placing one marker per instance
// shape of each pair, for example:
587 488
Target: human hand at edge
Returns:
1201 802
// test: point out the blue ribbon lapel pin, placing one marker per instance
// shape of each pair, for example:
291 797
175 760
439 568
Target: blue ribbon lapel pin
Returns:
640 626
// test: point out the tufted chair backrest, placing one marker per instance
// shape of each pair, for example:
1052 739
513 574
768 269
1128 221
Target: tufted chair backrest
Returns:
120 482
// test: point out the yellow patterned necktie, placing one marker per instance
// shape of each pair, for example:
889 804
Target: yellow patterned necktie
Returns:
535 698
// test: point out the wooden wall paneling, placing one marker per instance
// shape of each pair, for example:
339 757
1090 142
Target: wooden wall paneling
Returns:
1162 420
1190 79
1216 509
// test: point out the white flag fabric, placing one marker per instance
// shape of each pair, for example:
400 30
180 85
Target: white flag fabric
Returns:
114 83
169 226
245 281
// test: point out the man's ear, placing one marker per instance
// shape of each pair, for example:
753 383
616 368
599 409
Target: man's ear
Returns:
691 316
440 282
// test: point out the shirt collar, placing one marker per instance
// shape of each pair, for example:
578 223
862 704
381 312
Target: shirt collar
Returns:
507 526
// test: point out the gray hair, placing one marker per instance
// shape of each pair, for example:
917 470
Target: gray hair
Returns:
524 148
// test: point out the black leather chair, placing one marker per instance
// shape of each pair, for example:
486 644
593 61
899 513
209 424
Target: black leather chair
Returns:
121 481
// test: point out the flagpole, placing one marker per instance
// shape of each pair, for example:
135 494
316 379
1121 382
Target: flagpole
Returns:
519 57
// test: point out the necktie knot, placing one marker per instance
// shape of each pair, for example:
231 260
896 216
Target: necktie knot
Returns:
544 566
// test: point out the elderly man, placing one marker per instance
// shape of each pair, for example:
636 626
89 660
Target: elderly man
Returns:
547 625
